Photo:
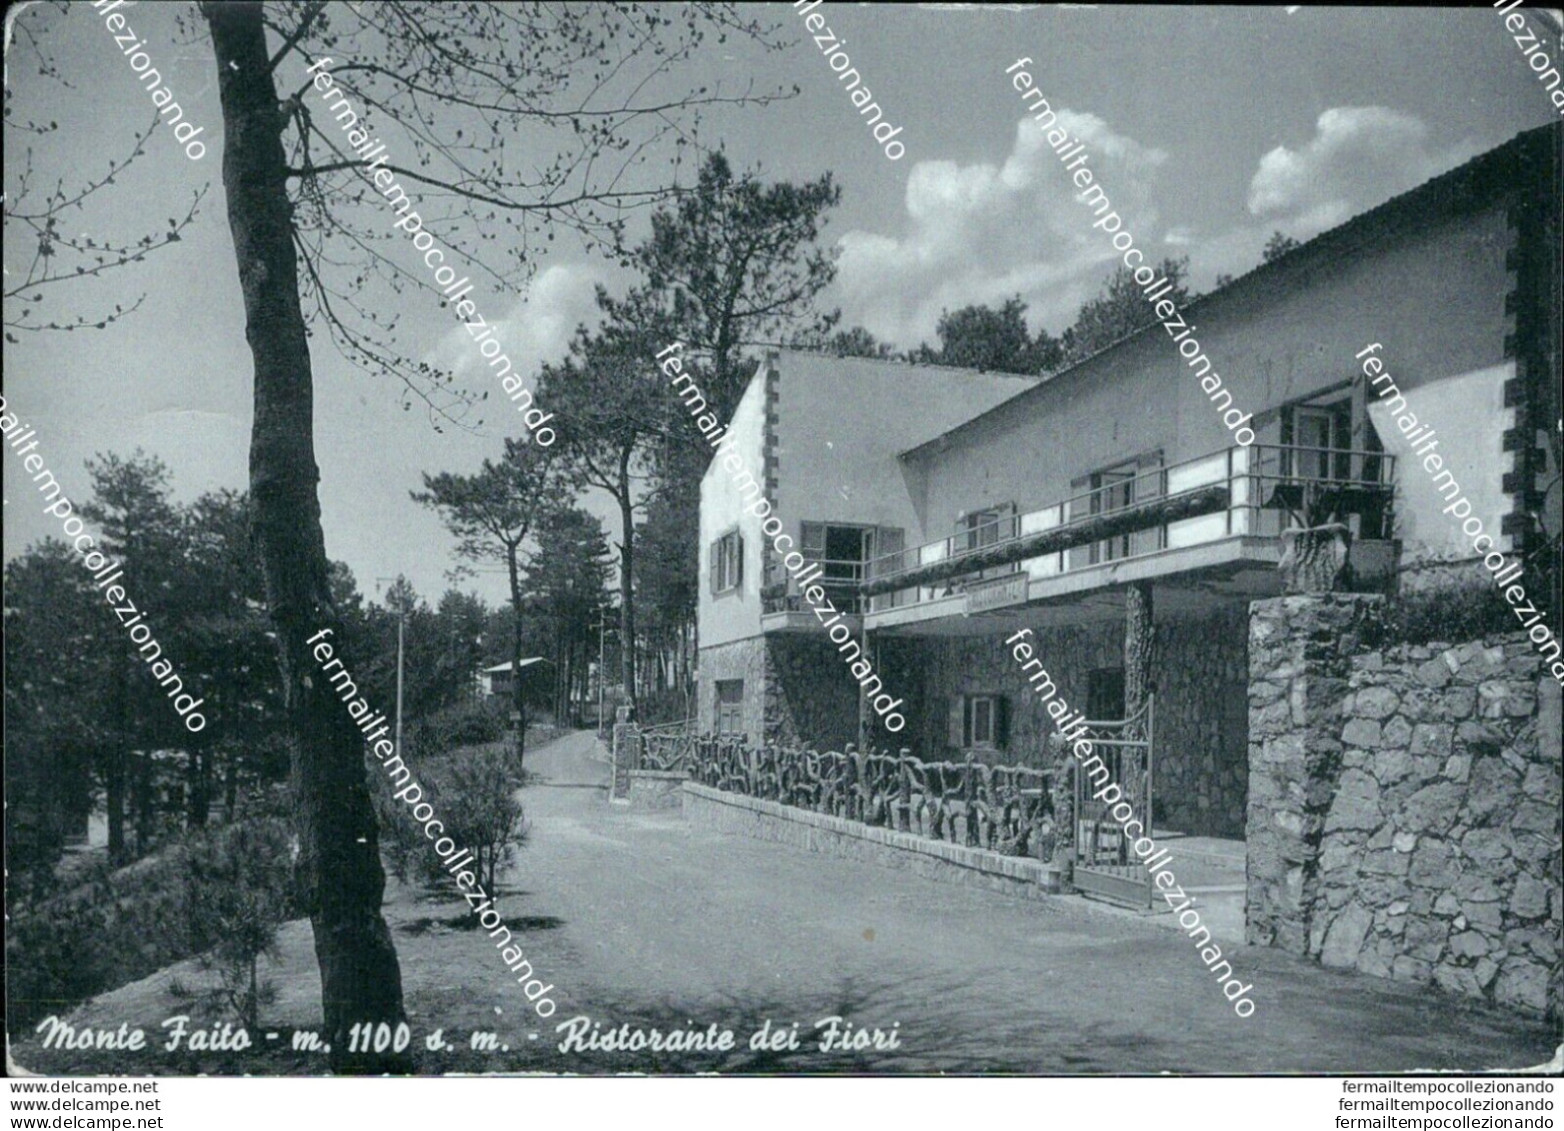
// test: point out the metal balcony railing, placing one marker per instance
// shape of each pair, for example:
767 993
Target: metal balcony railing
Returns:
1268 487
781 594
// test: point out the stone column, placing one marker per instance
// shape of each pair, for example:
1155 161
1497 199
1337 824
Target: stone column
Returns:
626 747
1300 653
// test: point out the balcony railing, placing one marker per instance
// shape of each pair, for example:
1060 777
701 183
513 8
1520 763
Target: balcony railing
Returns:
1266 486
841 579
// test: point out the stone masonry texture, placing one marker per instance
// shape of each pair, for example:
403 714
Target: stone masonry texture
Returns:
797 690
1199 674
1405 815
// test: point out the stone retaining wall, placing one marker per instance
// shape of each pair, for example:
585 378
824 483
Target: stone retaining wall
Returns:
1404 815
720 811
1441 855
655 789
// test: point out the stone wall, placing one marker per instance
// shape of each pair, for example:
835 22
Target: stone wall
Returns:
655 789
1020 876
797 690
1300 656
1441 858
929 671
1405 803
1199 670
811 697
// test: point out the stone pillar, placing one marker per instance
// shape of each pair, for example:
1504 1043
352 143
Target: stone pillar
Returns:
626 748
1300 653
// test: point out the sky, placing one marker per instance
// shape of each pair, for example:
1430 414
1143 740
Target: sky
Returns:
1209 128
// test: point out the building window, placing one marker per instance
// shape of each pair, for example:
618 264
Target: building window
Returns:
1113 489
1318 445
980 722
987 527
727 562
730 706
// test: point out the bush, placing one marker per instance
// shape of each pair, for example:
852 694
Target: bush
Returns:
235 899
478 796
473 796
467 724
671 705
53 961
1468 609
122 925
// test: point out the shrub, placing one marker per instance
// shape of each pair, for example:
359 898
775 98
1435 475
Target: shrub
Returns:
467 724
236 896
118 926
473 795
1467 609
478 796
671 705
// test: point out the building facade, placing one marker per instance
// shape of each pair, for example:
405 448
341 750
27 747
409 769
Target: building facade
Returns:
951 509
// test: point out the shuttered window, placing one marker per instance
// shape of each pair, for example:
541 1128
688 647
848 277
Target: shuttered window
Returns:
727 562
730 706
979 722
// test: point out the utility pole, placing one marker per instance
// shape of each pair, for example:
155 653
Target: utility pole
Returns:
401 627
601 623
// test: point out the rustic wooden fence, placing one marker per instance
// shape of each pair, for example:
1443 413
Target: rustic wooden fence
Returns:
1008 809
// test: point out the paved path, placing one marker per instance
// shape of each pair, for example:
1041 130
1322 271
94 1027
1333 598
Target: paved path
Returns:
663 924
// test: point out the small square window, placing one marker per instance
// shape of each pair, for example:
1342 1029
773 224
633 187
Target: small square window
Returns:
978 722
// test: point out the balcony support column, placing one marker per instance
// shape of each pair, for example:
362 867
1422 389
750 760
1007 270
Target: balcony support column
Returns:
865 714
1139 639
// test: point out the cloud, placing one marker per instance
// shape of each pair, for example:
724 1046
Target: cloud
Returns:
981 233
537 327
1359 157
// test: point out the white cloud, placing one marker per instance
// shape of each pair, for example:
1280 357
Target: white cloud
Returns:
981 233
1359 157
537 327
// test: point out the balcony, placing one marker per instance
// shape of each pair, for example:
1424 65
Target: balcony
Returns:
1224 512
782 603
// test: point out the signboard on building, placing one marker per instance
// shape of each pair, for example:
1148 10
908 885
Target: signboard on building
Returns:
997 594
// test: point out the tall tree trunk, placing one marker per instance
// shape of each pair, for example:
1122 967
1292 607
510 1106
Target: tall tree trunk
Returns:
1139 642
626 581
114 777
340 880
230 782
198 782
1139 637
141 799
